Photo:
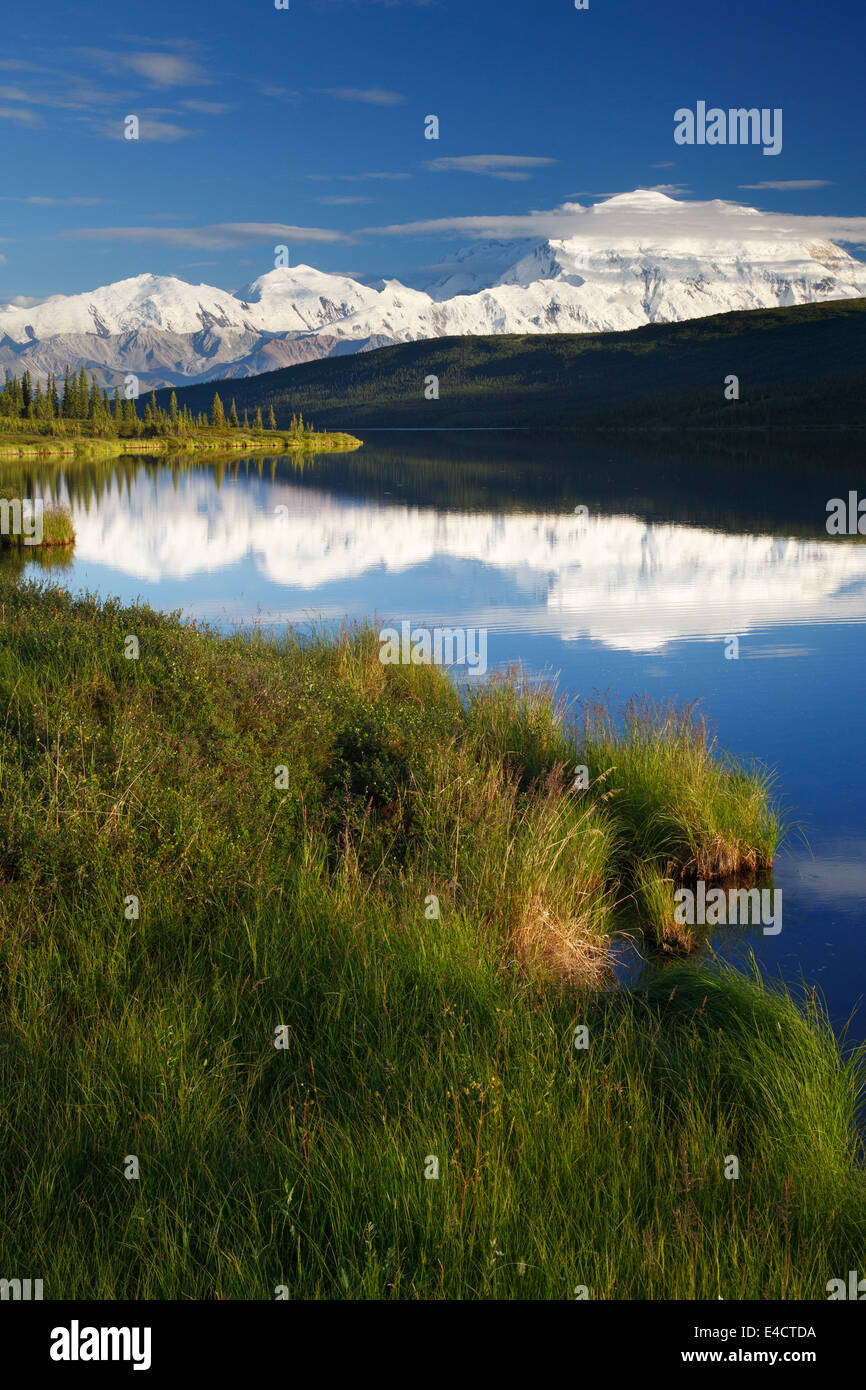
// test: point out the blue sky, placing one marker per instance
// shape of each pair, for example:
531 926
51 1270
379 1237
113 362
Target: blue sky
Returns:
306 126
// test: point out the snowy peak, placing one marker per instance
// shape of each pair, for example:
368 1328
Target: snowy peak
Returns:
636 258
287 282
302 299
479 266
146 301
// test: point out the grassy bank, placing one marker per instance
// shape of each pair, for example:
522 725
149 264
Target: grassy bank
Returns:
25 444
299 906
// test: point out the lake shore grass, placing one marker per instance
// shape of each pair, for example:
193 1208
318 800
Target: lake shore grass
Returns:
211 845
24 445
58 531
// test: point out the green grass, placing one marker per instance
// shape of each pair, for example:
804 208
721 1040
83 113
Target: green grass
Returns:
654 899
57 526
27 439
407 1035
698 813
57 531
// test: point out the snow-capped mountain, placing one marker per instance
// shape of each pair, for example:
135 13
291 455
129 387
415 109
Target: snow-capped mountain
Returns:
169 332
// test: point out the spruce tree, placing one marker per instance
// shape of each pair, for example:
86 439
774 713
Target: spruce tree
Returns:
217 414
259 421
233 415
272 423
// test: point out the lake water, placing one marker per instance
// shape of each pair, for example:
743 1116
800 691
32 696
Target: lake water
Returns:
678 553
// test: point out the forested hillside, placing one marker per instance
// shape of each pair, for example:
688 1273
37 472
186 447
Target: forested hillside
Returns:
797 368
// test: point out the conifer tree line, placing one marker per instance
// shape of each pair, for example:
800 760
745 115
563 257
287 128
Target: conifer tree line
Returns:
46 408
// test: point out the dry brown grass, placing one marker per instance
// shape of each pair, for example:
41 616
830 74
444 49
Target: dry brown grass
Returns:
719 858
568 949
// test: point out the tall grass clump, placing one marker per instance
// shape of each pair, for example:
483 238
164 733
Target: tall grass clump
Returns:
654 898
287 924
57 526
681 803
58 530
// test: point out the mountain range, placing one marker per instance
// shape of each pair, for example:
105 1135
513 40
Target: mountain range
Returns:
169 332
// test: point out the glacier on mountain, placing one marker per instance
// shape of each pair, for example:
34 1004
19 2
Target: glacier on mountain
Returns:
169 332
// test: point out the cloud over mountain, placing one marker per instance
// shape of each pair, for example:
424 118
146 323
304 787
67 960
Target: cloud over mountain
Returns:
636 258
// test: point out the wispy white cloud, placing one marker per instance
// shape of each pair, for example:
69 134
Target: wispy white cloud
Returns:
673 190
370 96
158 69
789 185
208 108
184 45
22 115
336 200
74 97
217 236
496 166
150 128
54 202
356 178
169 217
279 92
644 216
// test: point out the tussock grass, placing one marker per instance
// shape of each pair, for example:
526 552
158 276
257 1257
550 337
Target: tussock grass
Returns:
654 895
57 531
683 805
408 1035
57 527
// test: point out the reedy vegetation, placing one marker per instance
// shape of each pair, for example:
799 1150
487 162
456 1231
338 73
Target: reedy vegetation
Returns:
57 530
407 1036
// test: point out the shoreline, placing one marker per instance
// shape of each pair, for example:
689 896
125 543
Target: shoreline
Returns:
327 442
314 919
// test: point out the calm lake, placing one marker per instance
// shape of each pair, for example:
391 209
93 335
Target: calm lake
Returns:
678 553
